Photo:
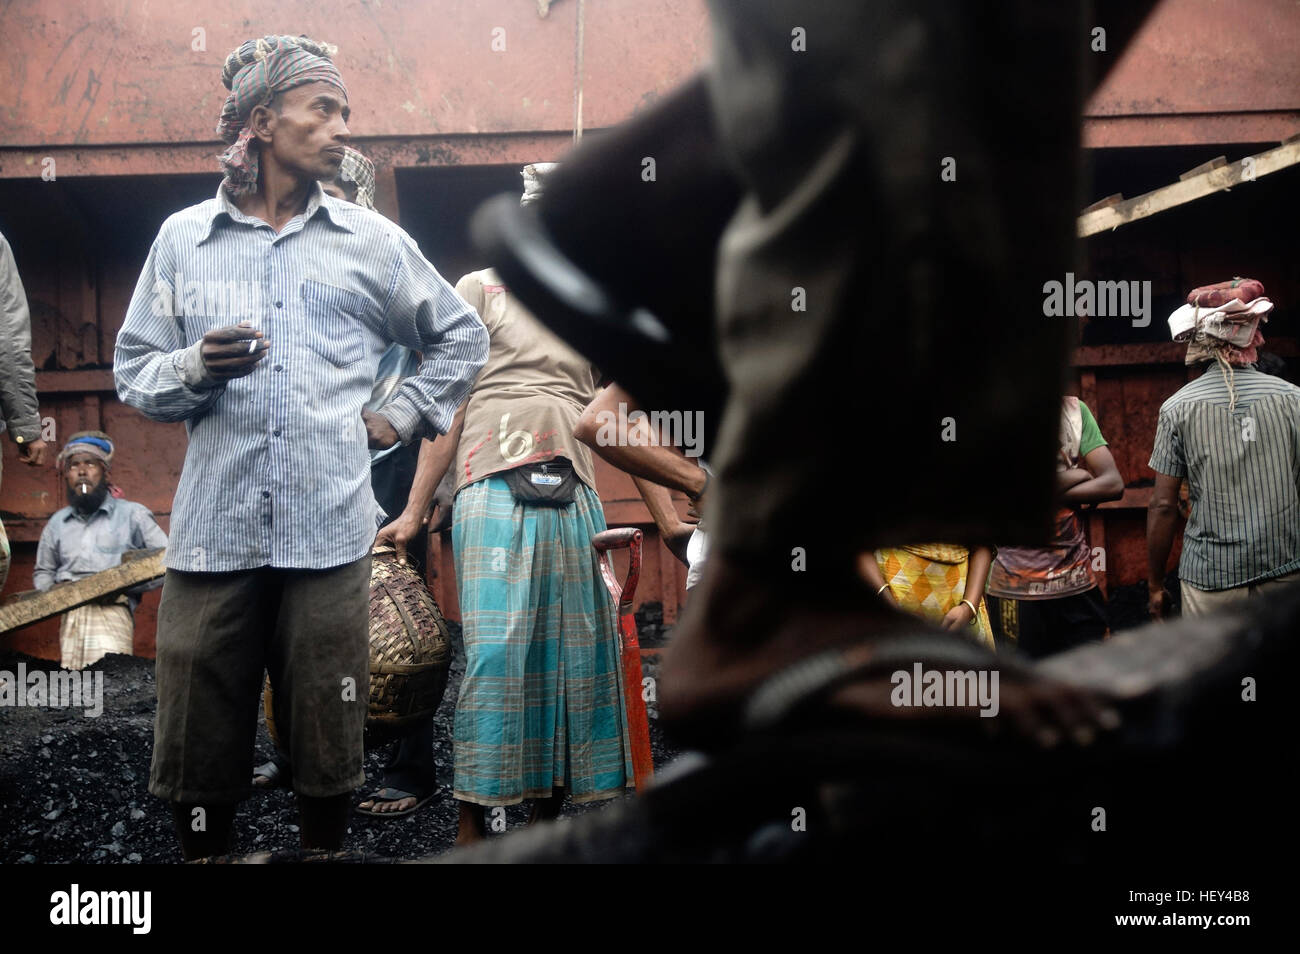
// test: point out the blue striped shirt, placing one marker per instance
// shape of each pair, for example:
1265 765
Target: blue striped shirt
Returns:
277 472
1243 475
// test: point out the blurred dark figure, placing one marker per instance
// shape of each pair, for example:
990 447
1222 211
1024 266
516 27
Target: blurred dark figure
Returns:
891 191
879 295
847 218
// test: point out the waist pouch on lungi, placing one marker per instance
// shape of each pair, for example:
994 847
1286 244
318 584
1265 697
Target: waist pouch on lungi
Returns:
550 484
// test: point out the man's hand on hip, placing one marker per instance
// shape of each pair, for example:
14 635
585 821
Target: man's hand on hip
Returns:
233 351
379 433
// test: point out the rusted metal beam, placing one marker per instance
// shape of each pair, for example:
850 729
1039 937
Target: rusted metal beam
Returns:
1124 132
1161 352
1100 356
76 381
197 159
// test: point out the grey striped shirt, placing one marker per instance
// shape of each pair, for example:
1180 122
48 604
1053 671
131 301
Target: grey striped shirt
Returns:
1243 473
277 472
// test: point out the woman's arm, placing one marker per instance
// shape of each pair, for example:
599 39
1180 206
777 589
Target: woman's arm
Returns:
977 574
869 570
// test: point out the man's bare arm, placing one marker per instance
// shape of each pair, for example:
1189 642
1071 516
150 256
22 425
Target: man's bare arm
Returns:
436 457
673 530
1162 523
642 456
1104 481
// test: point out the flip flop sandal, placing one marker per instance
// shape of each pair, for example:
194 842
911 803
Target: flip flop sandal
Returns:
275 777
394 795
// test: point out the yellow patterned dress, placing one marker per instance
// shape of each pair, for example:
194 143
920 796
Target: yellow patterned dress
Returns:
930 579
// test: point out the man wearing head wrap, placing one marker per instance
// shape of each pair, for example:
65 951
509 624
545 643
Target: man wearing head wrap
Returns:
411 775
87 536
1234 435
540 712
259 320
256 74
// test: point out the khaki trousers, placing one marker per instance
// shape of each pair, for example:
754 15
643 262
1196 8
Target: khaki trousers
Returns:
1204 602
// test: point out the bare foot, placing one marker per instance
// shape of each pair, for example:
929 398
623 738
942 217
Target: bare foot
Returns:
473 826
547 809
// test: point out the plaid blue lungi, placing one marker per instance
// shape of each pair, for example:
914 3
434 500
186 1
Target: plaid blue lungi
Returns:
541 704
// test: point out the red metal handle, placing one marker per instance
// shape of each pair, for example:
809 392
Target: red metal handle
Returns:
638 722
615 539
618 539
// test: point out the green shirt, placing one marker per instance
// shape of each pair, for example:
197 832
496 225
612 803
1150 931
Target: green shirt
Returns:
1091 437
1243 473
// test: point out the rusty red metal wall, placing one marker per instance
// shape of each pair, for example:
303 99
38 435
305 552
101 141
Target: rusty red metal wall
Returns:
100 85
1202 72
101 73
121 99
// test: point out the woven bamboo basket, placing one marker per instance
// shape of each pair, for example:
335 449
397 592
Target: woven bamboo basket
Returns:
410 652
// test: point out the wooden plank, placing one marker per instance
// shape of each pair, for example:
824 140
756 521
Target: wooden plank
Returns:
1188 190
33 606
1105 203
1218 162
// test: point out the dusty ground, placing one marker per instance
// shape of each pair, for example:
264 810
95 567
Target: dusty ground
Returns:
73 788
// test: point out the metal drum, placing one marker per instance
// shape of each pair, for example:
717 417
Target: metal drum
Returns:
410 652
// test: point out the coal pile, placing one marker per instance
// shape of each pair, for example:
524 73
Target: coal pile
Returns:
73 788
